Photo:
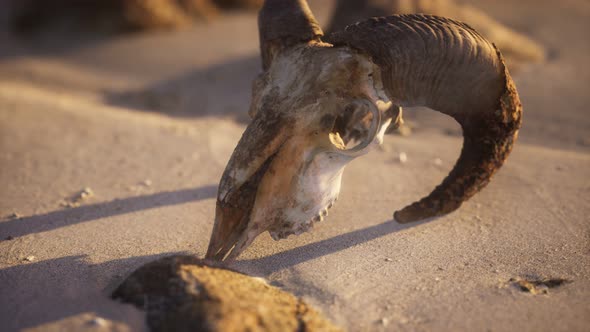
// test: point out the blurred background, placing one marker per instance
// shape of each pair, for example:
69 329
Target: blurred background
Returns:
191 58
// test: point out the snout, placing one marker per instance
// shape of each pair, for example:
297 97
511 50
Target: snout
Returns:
286 185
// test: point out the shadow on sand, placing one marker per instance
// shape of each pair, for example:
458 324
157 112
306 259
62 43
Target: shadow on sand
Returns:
71 285
64 287
289 258
56 219
217 90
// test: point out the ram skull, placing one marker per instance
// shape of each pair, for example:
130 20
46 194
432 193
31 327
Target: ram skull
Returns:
316 106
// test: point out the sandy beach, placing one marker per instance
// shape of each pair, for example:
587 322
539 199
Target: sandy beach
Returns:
111 150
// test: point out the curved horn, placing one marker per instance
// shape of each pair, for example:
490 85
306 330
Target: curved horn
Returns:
284 23
446 66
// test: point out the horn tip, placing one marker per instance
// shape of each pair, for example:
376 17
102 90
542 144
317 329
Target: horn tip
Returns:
406 215
211 255
419 211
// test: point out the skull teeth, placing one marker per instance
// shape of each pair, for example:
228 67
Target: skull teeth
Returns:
323 213
298 228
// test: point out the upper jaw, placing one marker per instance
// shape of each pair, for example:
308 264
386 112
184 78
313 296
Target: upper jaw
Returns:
292 192
315 191
296 223
296 179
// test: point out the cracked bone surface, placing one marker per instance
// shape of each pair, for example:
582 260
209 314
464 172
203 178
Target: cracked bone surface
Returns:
317 106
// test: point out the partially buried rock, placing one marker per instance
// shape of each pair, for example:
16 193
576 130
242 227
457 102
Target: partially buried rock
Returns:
184 293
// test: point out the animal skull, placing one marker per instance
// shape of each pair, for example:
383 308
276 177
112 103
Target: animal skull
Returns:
320 115
317 106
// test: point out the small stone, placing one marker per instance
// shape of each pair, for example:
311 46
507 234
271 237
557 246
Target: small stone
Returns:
98 321
438 162
437 279
76 199
13 215
452 132
30 258
403 157
384 321
147 183
85 193
388 260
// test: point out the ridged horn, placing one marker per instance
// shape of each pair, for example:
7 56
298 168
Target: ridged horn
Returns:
447 66
284 23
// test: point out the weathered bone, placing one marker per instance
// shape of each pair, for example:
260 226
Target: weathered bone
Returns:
286 170
373 131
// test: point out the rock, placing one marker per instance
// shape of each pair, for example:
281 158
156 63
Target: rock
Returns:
30 258
78 198
453 132
537 285
184 293
84 194
98 321
403 157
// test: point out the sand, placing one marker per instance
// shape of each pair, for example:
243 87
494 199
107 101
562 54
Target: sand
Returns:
147 123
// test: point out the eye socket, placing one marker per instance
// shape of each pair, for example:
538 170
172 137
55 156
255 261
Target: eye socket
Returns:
352 126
